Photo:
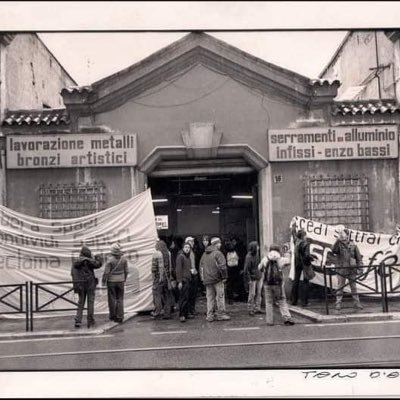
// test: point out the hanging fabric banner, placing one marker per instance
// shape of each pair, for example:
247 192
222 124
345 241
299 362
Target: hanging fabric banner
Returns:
375 248
42 250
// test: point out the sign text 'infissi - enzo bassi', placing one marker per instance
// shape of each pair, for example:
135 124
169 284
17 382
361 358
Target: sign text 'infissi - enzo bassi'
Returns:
71 150
333 143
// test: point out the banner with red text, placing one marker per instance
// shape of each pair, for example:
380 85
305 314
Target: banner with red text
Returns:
375 248
42 250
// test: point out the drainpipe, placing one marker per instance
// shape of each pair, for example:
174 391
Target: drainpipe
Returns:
377 66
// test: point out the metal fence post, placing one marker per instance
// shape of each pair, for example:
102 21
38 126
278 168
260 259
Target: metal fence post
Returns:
383 287
326 292
27 306
31 304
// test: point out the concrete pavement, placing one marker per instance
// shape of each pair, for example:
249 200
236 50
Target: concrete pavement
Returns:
51 326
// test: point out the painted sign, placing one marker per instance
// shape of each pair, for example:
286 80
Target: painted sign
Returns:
71 150
333 143
161 222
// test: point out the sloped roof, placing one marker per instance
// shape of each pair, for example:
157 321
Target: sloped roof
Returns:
366 107
192 49
36 117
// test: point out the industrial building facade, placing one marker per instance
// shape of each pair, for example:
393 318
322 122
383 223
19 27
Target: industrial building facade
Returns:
229 144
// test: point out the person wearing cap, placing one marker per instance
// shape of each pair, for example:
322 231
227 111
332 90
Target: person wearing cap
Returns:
348 260
115 275
84 284
214 276
194 281
272 266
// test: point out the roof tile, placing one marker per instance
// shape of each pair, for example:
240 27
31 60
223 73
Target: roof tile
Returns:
366 107
36 117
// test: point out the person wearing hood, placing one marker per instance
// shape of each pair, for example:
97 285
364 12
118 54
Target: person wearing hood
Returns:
214 275
254 277
115 275
162 289
272 266
84 284
183 277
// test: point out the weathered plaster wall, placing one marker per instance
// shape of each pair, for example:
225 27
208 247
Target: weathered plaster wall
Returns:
353 63
288 196
33 75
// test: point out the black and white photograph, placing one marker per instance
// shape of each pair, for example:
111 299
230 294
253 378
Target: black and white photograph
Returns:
199 199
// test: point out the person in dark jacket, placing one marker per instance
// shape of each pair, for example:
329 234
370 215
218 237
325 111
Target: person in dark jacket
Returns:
214 275
254 277
115 275
84 284
345 252
302 258
183 278
194 282
162 283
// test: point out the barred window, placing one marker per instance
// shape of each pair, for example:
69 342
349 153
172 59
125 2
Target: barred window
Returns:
337 200
71 200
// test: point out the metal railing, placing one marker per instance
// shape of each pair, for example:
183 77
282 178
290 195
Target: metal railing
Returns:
37 288
18 307
379 285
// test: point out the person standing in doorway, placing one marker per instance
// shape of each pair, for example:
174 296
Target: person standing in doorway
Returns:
194 282
272 266
302 259
232 262
183 277
214 275
255 278
115 275
84 284
348 260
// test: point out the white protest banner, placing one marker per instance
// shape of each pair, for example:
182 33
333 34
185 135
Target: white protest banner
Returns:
42 250
375 248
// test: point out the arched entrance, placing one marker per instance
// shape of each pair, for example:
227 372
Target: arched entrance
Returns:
215 196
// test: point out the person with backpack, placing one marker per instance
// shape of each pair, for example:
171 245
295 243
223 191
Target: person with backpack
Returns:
232 262
254 277
214 275
272 266
115 275
84 284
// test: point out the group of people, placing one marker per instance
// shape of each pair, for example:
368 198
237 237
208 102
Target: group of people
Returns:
178 277
179 284
85 282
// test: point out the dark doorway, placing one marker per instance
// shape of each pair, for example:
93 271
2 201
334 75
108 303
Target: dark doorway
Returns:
215 205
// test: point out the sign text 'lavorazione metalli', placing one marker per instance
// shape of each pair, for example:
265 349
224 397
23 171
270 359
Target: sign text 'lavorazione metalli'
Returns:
71 150
333 143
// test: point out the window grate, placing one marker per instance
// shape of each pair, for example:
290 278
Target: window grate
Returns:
337 200
71 200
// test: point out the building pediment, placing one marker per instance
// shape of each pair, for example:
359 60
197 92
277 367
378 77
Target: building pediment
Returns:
197 49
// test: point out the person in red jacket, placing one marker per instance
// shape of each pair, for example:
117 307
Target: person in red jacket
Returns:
214 276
